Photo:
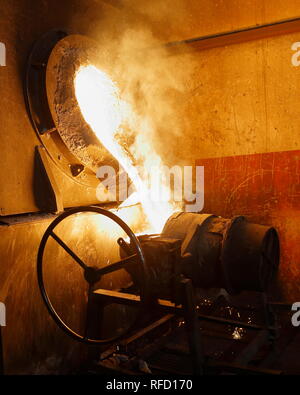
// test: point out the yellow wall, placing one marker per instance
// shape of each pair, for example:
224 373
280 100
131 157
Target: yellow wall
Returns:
231 100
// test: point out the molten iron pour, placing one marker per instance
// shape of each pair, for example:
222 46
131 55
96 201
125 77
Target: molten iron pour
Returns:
202 250
203 247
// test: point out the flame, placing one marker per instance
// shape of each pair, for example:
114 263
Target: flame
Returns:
102 108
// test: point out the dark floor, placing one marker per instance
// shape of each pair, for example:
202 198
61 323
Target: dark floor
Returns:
227 347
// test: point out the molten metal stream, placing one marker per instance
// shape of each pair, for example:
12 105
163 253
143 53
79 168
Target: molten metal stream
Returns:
102 108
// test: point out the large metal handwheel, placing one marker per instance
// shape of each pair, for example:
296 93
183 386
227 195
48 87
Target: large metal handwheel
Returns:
91 274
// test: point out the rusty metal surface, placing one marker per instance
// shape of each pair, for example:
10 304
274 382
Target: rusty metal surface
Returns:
250 255
265 188
163 266
228 253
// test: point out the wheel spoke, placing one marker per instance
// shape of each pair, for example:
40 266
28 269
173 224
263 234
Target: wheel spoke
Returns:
91 274
87 313
68 250
117 265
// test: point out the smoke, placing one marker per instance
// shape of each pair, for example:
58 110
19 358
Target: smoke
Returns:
152 80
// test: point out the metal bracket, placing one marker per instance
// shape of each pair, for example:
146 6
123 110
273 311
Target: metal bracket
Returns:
46 191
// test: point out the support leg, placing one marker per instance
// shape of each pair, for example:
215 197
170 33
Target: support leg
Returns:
192 326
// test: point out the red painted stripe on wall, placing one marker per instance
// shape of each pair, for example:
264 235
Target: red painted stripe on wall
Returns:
266 189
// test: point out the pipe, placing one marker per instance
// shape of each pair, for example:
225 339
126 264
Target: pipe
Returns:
250 33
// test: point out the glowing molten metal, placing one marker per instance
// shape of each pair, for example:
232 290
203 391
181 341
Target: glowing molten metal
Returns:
105 112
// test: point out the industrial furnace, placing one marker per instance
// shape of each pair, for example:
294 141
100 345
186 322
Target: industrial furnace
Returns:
144 225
